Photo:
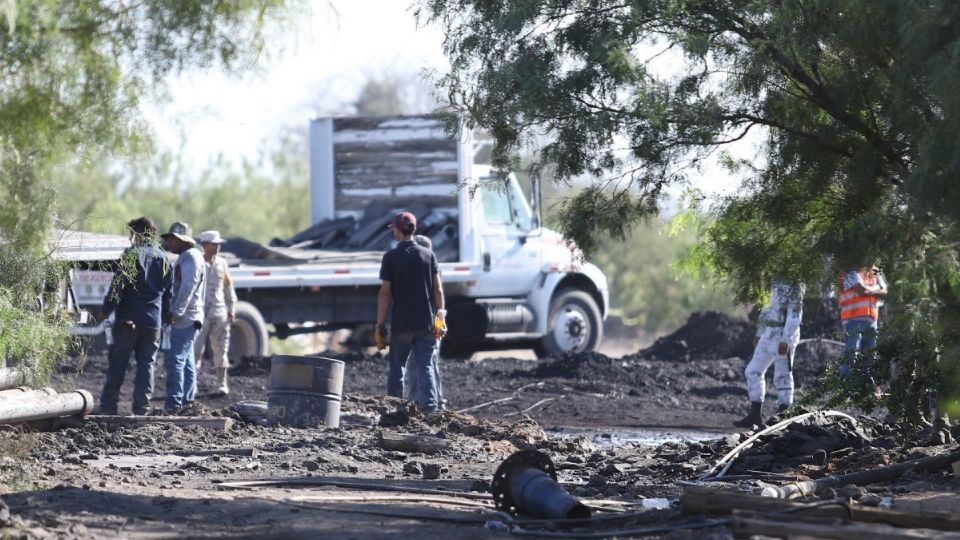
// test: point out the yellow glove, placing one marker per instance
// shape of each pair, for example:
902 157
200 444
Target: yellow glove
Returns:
381 336
440 324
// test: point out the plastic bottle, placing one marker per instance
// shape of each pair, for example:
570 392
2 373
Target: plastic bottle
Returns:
440 324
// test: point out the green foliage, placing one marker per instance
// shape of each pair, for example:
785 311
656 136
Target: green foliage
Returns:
647 284
32 335
254 200
856 102
72 74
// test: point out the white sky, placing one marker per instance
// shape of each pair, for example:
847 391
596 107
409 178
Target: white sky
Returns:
322 68
326 57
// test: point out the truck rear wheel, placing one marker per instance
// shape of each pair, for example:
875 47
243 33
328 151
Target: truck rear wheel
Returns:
574 325
248 333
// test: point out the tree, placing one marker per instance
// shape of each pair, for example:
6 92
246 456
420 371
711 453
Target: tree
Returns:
855 101
72 74
256 199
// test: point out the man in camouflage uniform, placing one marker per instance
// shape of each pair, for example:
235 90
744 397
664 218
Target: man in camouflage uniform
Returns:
220 304
778 333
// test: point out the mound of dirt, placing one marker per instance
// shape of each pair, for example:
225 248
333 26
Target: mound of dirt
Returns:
579 366
707 335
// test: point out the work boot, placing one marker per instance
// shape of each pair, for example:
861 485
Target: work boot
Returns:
783 407
222 388
752 418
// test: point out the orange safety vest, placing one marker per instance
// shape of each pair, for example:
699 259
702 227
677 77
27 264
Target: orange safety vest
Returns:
854 305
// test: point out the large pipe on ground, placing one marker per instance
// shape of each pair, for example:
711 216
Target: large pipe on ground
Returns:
25 392
76 403
526 483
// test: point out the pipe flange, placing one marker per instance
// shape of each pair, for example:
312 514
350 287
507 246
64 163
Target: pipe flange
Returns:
500 485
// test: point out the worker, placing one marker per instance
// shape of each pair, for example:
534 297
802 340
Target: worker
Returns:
410 386
139 294
185 316
778 333
411 291
861 295
219 310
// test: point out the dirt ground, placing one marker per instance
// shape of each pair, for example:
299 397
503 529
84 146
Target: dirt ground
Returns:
624 433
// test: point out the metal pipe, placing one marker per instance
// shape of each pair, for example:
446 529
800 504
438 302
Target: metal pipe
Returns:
12 377
76 403
25 392
526 483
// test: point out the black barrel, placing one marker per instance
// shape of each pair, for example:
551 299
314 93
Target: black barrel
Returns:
305 391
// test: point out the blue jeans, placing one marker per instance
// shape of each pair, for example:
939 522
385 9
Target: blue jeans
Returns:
411 387
181 368
130 339
860 336
420 349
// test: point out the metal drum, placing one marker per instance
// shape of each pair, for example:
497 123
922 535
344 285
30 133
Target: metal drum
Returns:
305 391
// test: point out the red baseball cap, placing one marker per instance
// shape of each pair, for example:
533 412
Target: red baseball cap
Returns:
405 222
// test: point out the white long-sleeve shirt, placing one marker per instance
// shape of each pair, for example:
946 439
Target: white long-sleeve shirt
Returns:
188 290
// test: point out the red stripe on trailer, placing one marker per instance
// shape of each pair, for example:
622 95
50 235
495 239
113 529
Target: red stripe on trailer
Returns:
261 273
341 271
461 268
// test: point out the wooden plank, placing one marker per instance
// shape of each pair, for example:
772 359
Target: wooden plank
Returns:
216 423
408 442
386 122
357 204
705 501
354 159
392 179
382 147
744 527
413 168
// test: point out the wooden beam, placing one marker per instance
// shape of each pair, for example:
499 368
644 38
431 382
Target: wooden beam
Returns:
705 501
217 423
408 442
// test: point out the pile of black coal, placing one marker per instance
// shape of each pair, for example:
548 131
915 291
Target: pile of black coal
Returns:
578 366
706 335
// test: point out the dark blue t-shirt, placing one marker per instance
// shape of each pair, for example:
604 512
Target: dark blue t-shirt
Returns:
141 294
410 269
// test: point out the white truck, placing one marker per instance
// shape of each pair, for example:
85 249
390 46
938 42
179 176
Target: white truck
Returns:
509 282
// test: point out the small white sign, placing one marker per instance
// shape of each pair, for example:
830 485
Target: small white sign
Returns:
90 286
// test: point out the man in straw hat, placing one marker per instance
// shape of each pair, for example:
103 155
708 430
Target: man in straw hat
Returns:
185 317
219 309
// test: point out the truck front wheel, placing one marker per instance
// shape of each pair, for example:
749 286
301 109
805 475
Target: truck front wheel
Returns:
248 333
574 325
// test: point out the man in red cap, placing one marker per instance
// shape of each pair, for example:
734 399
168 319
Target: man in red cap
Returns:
411 287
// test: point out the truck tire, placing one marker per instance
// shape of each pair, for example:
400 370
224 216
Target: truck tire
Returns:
574 325
248 333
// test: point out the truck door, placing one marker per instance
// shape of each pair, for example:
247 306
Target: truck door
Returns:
511 264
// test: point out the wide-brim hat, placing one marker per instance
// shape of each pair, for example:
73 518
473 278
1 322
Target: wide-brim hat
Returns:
181 231
211 237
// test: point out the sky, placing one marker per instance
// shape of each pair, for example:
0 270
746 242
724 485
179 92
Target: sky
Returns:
325 59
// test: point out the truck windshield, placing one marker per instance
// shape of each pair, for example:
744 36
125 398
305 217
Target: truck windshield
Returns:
505 204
